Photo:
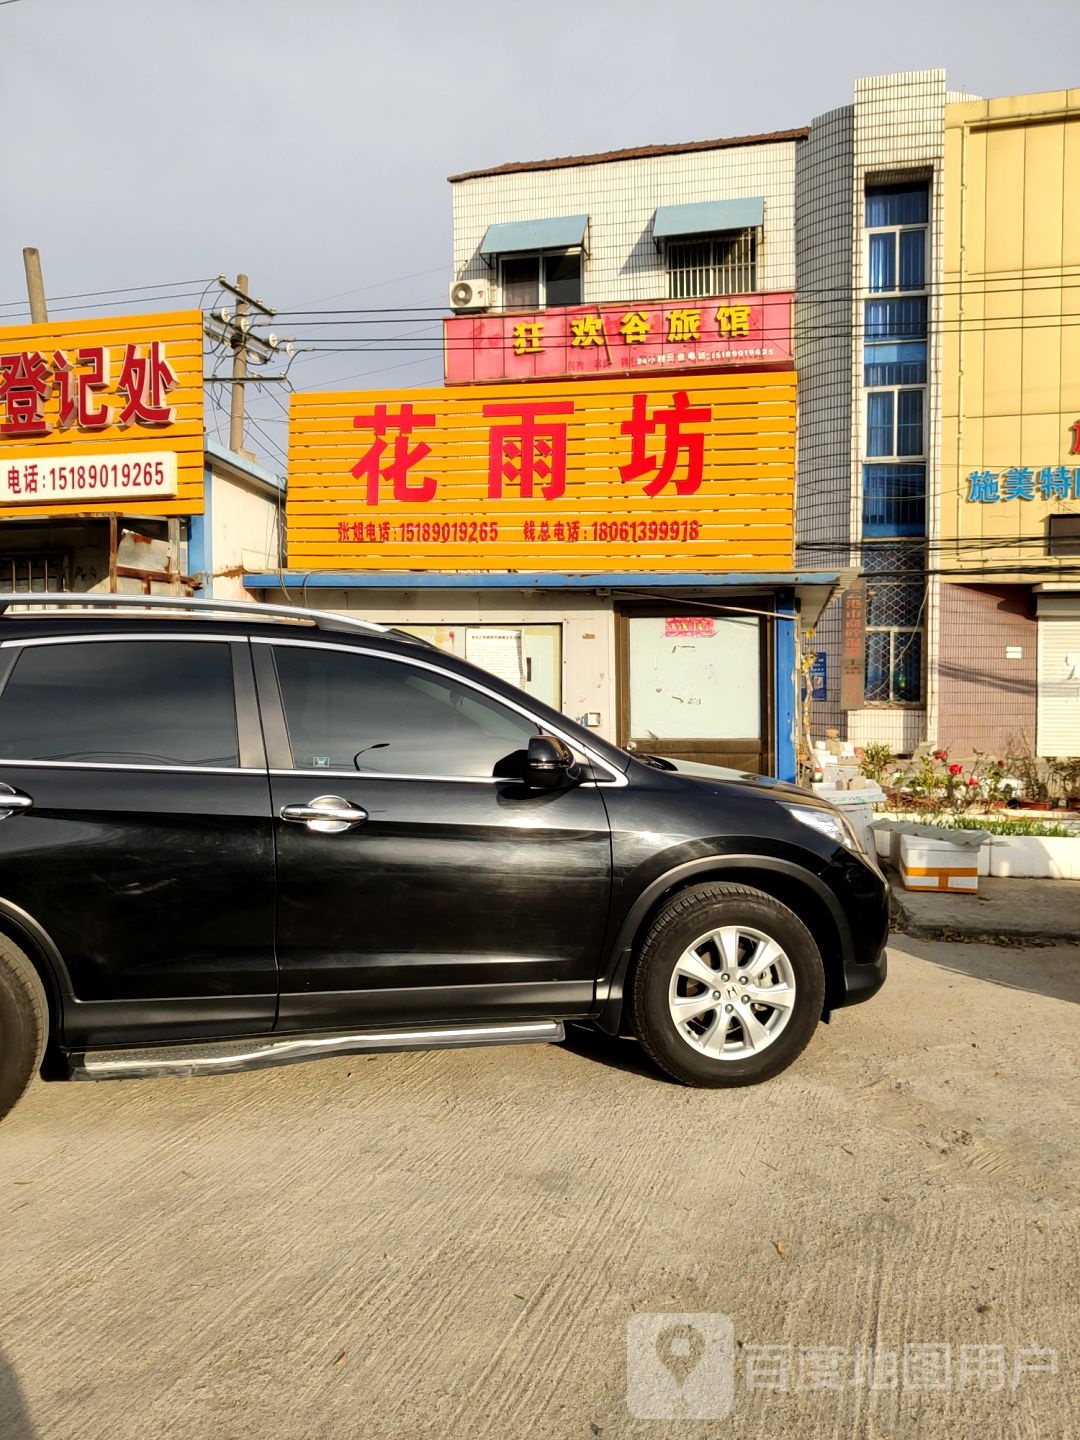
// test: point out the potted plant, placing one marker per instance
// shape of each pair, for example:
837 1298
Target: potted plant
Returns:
1066 773
1032 772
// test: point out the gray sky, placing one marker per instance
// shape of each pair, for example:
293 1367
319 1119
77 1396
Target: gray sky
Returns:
307 142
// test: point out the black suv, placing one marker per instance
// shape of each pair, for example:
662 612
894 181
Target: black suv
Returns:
234 834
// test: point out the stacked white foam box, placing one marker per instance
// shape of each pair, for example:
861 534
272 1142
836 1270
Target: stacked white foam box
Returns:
927 864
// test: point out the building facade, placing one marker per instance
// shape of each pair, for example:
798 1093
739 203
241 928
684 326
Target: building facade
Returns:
670 299
1008 655
599 503
869 245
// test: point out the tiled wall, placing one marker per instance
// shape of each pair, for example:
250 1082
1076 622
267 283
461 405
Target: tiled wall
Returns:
894 130
620 198
899 133
984 696
823 342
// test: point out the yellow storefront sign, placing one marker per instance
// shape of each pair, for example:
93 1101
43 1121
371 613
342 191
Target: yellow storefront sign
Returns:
696 473
101 415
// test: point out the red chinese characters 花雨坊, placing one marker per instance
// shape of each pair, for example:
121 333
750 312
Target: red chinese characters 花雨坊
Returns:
403 458
529 449
677 443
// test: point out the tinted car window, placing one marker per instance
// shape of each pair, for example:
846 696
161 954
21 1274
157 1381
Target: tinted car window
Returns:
134 702
362 712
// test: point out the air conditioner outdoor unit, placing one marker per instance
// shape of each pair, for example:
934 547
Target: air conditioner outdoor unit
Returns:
470 295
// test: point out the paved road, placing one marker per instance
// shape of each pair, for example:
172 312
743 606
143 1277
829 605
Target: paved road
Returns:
451 1245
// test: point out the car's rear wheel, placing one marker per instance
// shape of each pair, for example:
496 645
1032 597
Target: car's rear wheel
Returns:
24 1023
728 986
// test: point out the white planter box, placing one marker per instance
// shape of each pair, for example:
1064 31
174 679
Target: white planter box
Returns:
1035 857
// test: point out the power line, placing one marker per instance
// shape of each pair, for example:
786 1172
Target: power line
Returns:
377 285
359 375
13 322
432 344
986 285
269 441
119 290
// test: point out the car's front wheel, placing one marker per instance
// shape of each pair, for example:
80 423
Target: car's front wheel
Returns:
728 986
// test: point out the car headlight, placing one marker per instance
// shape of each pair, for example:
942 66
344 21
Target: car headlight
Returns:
833 823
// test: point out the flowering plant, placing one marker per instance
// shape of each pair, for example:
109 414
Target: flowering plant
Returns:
934 783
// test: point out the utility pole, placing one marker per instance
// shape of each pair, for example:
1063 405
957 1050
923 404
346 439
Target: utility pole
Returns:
35 286
239 368
232 326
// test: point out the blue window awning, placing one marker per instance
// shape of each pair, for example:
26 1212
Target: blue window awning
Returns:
559 232
711 217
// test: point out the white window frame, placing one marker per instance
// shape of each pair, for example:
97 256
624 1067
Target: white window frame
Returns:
894 457
541 284
895 231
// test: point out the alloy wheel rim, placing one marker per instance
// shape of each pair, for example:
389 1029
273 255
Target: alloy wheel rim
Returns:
732 993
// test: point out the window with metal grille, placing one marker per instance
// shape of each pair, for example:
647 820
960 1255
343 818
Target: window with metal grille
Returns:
33 574
895 377
717 265
895 623
1064 535
894 500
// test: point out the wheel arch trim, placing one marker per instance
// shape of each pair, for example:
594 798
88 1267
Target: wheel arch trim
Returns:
43 954
611 984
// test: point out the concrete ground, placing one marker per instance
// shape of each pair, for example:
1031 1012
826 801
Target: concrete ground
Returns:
452 1245
1035 912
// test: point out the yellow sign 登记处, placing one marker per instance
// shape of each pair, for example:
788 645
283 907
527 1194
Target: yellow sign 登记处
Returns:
100 413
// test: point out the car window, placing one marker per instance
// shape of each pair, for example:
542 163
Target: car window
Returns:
134 702
363 712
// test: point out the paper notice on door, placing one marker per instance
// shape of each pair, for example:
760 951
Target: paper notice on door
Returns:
496 650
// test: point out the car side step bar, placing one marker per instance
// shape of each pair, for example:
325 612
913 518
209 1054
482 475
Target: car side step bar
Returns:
226 1056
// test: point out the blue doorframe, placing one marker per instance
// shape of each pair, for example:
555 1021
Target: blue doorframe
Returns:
785 683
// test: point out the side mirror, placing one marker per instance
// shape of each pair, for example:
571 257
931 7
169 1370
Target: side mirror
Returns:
550 763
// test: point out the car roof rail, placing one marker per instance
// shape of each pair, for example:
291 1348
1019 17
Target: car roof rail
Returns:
200 608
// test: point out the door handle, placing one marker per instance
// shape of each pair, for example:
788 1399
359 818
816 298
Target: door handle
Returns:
325 815
11 801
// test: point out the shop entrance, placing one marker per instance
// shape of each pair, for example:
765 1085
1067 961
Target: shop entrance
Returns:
694 686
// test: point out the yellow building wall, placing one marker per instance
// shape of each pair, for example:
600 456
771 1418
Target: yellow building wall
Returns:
1010 381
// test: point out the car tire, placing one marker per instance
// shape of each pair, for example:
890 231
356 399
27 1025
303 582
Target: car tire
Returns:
24 1023
700 999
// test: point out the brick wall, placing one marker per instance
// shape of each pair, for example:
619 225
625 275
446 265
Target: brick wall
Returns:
985 698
